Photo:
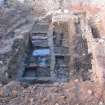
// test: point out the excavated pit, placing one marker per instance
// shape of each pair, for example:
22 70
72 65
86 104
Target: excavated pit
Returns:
48 55
47 58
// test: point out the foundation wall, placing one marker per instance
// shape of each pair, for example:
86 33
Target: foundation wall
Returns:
80 61
97 49
72 33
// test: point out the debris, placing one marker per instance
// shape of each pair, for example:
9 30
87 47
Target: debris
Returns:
76 80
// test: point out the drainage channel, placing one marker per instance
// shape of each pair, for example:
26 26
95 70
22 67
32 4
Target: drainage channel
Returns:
48 59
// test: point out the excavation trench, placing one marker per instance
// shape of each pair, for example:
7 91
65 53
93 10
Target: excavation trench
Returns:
49 56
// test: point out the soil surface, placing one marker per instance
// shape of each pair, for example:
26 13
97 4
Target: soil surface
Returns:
73 93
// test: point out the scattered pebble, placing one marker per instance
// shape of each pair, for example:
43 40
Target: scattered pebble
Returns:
44 99
14 93
1 85
1 62
90 92
66 11
100 103
56 84
76 80
56 104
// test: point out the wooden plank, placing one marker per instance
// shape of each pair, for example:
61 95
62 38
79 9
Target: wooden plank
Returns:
43 79
39 38
51 45
40 43
61 54
36 65
63 51
37 28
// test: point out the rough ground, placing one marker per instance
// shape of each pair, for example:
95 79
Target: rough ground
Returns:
74 93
